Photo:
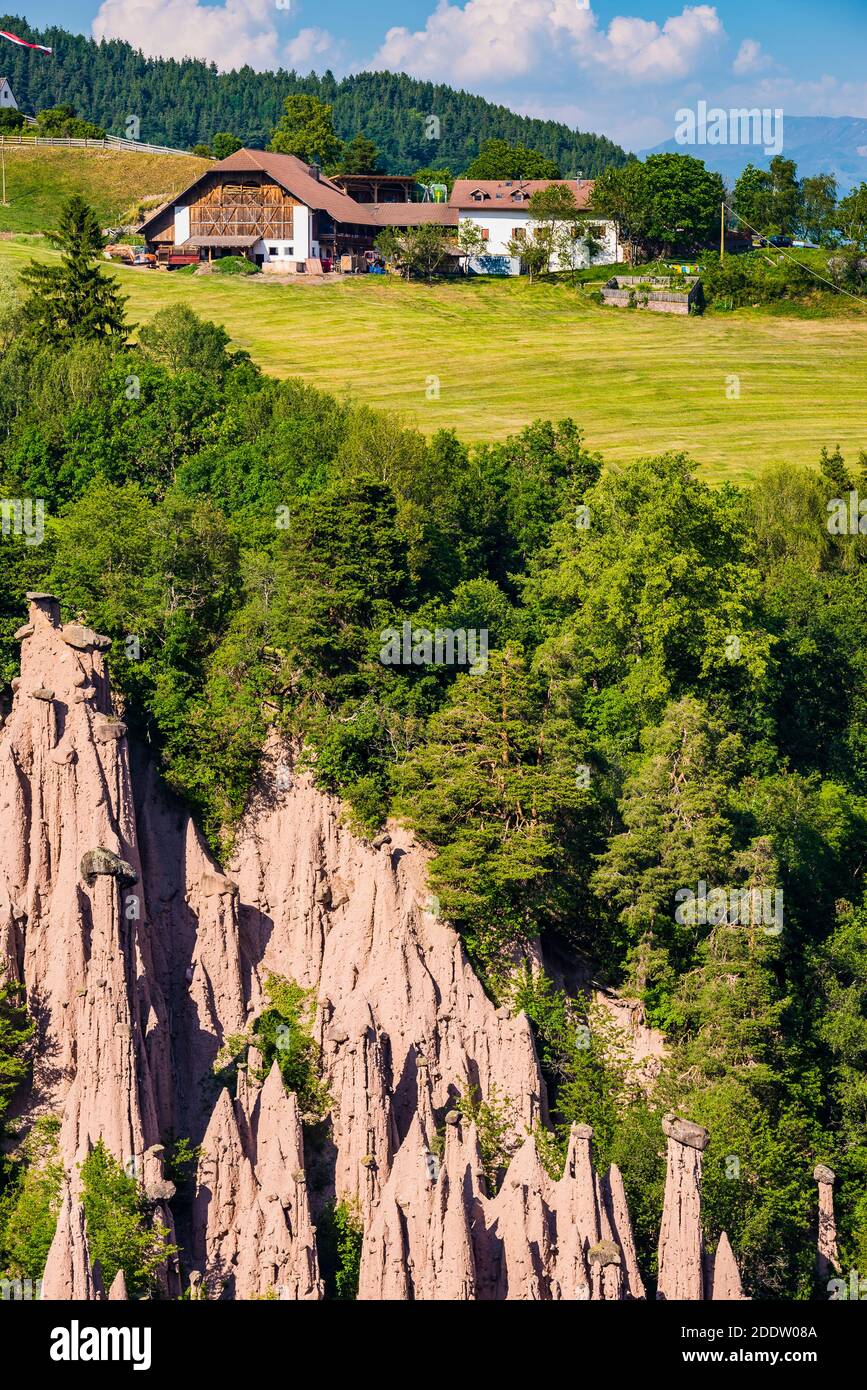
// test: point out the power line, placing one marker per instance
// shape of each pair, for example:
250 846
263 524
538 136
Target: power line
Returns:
859 298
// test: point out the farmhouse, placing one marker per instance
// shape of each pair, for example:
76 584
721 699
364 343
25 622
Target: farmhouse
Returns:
501 210
280 212
6 97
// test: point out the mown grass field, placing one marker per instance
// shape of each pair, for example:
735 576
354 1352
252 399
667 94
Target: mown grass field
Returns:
503 353
113 182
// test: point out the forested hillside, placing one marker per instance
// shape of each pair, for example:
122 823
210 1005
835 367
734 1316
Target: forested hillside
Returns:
668 700
184 103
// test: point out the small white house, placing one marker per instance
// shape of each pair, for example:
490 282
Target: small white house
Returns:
6 97
501 211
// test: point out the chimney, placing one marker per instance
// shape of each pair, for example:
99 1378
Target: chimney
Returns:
314 171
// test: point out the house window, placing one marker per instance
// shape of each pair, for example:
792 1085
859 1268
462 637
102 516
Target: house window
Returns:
288 251
520 233
272 251
485 231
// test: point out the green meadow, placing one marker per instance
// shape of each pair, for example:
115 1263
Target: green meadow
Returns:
738 391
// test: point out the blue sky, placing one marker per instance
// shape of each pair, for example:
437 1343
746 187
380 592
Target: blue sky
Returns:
622 67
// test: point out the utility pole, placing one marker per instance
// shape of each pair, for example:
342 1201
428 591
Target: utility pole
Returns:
722 232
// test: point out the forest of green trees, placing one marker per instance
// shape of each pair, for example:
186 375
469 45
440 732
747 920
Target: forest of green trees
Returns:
183 104
673 695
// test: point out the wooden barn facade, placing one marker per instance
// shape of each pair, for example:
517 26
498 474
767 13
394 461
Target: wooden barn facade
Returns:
275 210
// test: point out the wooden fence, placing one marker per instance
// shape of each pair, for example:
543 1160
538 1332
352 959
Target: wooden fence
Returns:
111 142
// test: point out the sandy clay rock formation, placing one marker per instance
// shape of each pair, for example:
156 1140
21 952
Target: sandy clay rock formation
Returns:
141 957
685 1272
827 1255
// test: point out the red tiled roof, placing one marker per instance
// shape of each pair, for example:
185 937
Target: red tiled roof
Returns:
517 193
294 175
413 214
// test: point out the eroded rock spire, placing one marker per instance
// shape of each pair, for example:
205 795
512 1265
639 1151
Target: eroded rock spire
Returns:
142 957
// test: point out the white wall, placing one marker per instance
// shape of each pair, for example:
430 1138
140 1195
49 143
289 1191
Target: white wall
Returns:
6 97
182 224
606 235
301 224
502 223
280 254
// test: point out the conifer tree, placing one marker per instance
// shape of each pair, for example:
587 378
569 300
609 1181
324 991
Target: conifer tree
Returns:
677 834
360 156
74 301
15 1033
500 802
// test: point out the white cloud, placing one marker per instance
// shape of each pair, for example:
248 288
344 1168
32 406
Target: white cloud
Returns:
647 52
487 39
307 45
500 40
231 34
751 58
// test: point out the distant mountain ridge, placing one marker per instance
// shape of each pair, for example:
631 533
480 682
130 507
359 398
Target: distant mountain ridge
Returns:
819 145
184 103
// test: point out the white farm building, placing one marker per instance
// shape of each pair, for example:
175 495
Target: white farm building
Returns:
501 211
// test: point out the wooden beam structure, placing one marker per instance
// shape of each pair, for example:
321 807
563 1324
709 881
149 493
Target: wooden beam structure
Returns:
248 207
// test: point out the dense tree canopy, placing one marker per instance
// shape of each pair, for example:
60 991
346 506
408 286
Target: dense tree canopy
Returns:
669 203
359 156
771 200
306 129
497 159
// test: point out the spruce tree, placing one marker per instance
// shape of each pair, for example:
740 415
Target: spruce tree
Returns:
360 156
74 301
15 1033
677 833
494 789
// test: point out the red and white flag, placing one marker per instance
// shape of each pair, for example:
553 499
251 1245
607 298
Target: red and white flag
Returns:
22 43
